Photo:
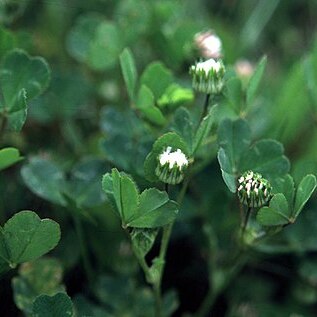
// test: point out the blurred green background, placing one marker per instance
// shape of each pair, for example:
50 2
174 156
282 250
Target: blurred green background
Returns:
84 125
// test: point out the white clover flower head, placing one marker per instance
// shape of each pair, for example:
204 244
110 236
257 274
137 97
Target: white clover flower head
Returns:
164 157
208 76
176 158
209 65
171 166
253 189
209 44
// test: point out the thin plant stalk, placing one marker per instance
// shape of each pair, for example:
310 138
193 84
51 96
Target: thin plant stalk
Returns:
246 220
205 108
3 125
166 235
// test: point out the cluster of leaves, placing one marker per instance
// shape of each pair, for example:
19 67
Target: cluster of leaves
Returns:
91 126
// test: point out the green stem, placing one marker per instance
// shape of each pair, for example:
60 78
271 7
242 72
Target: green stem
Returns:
143 264
205 109
206 304
83 247
158 299
183 190
246 220
209 300
211 294
167 230
3 125
166 235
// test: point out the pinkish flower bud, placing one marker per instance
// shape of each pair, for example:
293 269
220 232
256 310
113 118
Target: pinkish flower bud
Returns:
244 69
209 44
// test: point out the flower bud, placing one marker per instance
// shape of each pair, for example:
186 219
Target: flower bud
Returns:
208 76
244 69
171 166
253 189
209 44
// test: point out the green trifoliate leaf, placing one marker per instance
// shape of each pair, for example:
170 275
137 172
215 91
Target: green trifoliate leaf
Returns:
83 185
155 210
123 193
26 237
277 213
151 209
305 189
234 93
21 77
285 185
266 157
8 157
183 126
174 96
157 78
234 138
96 42
21 71
7 40
225 165
129 72
255 80
105 46
146 104
43 276
143 239
59 305
79 37
45 179
204 129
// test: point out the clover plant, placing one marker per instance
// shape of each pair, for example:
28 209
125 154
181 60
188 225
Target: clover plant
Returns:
180 177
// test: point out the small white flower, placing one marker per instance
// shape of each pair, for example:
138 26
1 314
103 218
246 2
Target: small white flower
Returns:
209 65
209 44
253 189
164 157
171 166
177 158
208 76
249 176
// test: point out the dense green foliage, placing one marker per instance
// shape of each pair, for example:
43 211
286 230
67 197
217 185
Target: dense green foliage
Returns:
94 96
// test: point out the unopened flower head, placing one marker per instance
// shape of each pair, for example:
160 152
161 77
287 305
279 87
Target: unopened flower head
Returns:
253 189
244 68
208 76
209 44
171 166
